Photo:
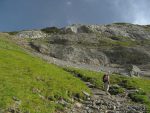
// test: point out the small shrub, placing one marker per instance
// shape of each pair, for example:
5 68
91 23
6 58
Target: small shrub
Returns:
121 23
141 92
128 84
13 33
114 90
60 107
50 30
115 38
85 29
138 98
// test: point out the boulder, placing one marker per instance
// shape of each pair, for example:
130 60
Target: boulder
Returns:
78 105
86 94
31 34
134 70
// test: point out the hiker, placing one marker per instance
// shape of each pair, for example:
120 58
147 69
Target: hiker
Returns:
106 82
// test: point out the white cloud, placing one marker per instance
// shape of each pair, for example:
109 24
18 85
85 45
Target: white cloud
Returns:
141 18
138 10
134 11
139 13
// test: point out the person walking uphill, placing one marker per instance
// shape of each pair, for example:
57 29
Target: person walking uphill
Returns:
106 82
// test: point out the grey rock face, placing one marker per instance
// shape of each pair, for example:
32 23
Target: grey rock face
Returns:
134 70
74 48
31 34
126 30
115 45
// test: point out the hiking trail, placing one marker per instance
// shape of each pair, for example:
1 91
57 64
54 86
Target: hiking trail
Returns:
100 102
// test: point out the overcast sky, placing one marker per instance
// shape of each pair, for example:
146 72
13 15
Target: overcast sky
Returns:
30 14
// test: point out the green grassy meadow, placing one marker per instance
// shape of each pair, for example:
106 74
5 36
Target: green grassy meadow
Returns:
29 84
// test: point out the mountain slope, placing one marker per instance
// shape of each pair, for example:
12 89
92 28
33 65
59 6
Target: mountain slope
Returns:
29 84
115 45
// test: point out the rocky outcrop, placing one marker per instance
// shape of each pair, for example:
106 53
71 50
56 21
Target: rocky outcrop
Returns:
118 29
134 70
74 48
115 45
33 34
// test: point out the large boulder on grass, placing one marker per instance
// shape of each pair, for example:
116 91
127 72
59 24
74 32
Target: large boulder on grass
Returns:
134 70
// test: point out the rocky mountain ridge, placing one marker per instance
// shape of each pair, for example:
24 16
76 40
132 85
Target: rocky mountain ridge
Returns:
116 45
118 29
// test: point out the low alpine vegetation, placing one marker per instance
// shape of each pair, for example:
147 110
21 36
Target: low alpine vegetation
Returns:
29 84
119 84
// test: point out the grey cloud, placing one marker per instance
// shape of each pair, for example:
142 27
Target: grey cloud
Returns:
24 14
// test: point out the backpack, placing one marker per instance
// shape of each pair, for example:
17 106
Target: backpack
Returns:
105 78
